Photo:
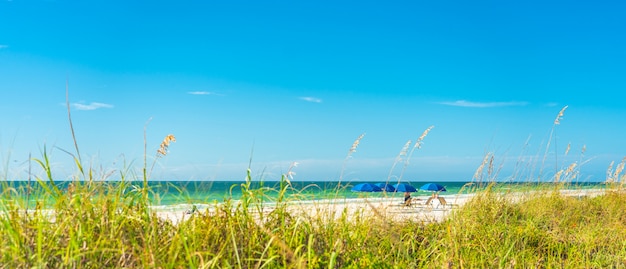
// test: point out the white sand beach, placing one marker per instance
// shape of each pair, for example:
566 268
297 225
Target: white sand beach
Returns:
390 208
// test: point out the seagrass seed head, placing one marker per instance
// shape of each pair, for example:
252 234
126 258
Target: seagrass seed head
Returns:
162 151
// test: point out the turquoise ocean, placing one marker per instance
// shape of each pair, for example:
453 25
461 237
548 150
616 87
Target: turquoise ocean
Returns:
166 193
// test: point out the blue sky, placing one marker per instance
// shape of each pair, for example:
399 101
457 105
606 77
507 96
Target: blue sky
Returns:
287 81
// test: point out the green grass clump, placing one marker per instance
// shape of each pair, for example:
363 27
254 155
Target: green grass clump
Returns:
98 226
546 230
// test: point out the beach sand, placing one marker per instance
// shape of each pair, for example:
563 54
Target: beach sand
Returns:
391 208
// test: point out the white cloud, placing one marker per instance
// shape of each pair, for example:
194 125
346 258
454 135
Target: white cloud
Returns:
311 99
464 103
552 104
91 106
203 93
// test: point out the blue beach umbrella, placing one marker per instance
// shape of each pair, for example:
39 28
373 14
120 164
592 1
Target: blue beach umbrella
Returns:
386 187
366 187
432 187
404 187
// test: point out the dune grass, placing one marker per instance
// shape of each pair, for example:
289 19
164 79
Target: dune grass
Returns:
99 225
95 224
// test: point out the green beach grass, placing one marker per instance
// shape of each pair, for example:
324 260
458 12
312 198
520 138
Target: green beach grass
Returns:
99 225
92 226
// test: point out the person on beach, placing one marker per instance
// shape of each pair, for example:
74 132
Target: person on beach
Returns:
407 198
194 209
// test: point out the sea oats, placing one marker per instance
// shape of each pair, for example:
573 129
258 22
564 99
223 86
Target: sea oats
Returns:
352 150
404 151
490 167
568 148
290 173
479 170
165 144
557 177
356 143
418 143
619 169
570 168
558 117
609 172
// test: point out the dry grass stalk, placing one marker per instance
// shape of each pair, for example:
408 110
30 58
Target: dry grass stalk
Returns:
352 150
557 177
355 144
479 171
613 176
570 168
557 121
571 172
568 173
609 173
418 143
404 151
490 167
619 169
290 173
162 151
